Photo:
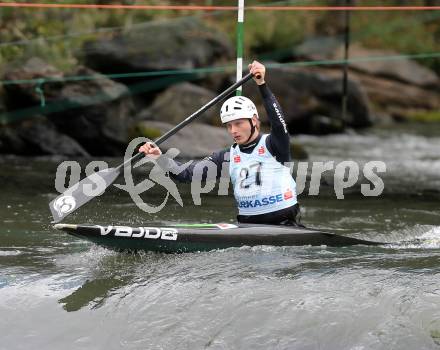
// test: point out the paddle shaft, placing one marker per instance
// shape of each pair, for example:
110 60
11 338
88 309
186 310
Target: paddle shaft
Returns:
75 197
193 116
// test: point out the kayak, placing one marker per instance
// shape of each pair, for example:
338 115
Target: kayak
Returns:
205 237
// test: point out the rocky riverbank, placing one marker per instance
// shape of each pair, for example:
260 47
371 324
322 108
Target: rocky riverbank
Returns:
90 111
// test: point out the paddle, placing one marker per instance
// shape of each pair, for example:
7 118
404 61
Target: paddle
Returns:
95 184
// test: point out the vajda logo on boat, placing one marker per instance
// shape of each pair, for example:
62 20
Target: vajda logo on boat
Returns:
168 234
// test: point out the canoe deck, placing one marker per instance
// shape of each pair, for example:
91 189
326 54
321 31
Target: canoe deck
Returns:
204 237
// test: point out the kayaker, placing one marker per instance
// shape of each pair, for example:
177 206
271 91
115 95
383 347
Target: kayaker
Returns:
263 187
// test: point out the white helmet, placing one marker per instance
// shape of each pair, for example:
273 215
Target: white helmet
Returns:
237 107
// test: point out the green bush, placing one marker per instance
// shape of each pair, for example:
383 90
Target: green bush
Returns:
425 117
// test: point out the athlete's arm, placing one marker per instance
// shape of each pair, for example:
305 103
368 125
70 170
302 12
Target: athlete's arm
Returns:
185 172
278 142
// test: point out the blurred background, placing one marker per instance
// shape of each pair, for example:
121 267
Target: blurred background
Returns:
84 81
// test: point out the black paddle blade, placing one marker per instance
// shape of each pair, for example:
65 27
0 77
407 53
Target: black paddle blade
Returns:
82 192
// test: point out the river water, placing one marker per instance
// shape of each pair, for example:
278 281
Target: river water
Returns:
57 291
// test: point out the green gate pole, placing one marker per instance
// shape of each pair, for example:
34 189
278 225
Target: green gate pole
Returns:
240 39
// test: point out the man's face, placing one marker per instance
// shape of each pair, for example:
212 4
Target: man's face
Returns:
240 129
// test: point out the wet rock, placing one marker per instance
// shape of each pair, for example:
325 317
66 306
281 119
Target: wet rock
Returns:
26 94
311 100
2 104
368 61
298 151
394 98
180 101
194 141
323 125
37 136
402 69
159 45
97 113
318 48
398 98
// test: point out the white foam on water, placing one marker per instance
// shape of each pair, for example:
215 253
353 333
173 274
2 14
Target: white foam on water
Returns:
427 240
10 252
90 258
431 239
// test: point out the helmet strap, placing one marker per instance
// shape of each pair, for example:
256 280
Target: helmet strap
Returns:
252 131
